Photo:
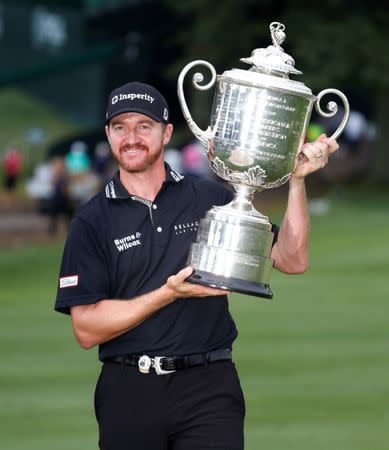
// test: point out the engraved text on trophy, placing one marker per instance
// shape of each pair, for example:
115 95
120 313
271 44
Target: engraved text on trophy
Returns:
260 128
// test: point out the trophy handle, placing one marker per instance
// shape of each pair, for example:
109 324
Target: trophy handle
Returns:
204 136
332 107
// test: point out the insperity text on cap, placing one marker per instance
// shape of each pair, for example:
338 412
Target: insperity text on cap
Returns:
137 97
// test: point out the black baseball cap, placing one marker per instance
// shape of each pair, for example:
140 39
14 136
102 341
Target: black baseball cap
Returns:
137 97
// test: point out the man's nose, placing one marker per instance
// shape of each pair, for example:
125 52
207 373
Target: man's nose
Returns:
132 136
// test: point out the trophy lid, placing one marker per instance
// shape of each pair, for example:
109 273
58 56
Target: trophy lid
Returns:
273 59
271 67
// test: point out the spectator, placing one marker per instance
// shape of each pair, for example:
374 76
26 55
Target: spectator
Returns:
60 203
174 159
356 130
12 165
194 160
102 161
83 183
77 160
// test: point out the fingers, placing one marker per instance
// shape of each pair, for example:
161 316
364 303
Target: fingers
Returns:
321 137
322 146
182 288
199 290
175 281
314 156
332 144
317 154
183 274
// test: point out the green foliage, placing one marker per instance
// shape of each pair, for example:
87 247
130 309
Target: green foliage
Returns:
336 45
218 33
331 42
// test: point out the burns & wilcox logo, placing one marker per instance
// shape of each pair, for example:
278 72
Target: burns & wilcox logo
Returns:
133 240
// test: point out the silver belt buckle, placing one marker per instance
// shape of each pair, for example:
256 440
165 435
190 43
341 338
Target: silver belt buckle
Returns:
144 364
157 366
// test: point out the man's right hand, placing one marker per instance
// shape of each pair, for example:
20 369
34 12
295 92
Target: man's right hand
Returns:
181 288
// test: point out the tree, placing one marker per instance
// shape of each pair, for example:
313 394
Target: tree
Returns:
345 44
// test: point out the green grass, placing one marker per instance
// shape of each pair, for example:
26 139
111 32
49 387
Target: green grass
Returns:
314 361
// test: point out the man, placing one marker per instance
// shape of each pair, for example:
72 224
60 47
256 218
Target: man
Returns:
167 381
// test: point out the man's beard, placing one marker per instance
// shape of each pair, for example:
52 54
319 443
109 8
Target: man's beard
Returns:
143 165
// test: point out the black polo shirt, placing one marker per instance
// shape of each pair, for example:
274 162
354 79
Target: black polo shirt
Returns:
120 246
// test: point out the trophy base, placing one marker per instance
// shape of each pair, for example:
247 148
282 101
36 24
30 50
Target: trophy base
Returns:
230 284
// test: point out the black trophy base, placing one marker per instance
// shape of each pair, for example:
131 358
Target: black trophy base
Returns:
230 284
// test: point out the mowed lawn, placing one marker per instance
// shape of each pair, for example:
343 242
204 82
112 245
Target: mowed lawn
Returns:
314 361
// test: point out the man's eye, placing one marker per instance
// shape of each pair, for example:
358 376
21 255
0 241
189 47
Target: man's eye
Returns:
144 127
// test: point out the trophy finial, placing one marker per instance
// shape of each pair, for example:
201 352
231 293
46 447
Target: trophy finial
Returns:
277 33
273 59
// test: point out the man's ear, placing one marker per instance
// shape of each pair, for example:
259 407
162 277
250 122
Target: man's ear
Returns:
107 132
167 134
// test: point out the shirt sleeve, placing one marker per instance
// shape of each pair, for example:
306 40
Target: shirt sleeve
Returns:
84 274
224 194
275 229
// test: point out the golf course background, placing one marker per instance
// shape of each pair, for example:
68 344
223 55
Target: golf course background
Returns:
314 361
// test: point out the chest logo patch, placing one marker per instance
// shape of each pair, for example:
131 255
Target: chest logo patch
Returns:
133 240
186 227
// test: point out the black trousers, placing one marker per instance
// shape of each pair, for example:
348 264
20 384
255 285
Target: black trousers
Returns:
193 409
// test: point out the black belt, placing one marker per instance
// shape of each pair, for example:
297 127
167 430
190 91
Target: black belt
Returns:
167 364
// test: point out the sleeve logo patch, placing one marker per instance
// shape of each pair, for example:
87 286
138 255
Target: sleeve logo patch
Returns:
66 282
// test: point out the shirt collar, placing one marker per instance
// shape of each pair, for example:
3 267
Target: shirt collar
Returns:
114 189
171 175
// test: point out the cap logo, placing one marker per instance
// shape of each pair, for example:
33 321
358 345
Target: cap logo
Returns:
165 114
132 96
115 98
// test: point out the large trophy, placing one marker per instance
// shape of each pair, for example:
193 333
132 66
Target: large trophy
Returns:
257 128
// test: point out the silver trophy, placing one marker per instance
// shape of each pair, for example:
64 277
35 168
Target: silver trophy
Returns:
257 128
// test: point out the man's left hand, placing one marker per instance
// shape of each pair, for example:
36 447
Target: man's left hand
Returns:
314 156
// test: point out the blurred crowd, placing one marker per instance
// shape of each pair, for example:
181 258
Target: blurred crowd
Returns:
351 163
62 183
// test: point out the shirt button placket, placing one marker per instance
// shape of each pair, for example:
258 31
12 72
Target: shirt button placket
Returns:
160 230
155 207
